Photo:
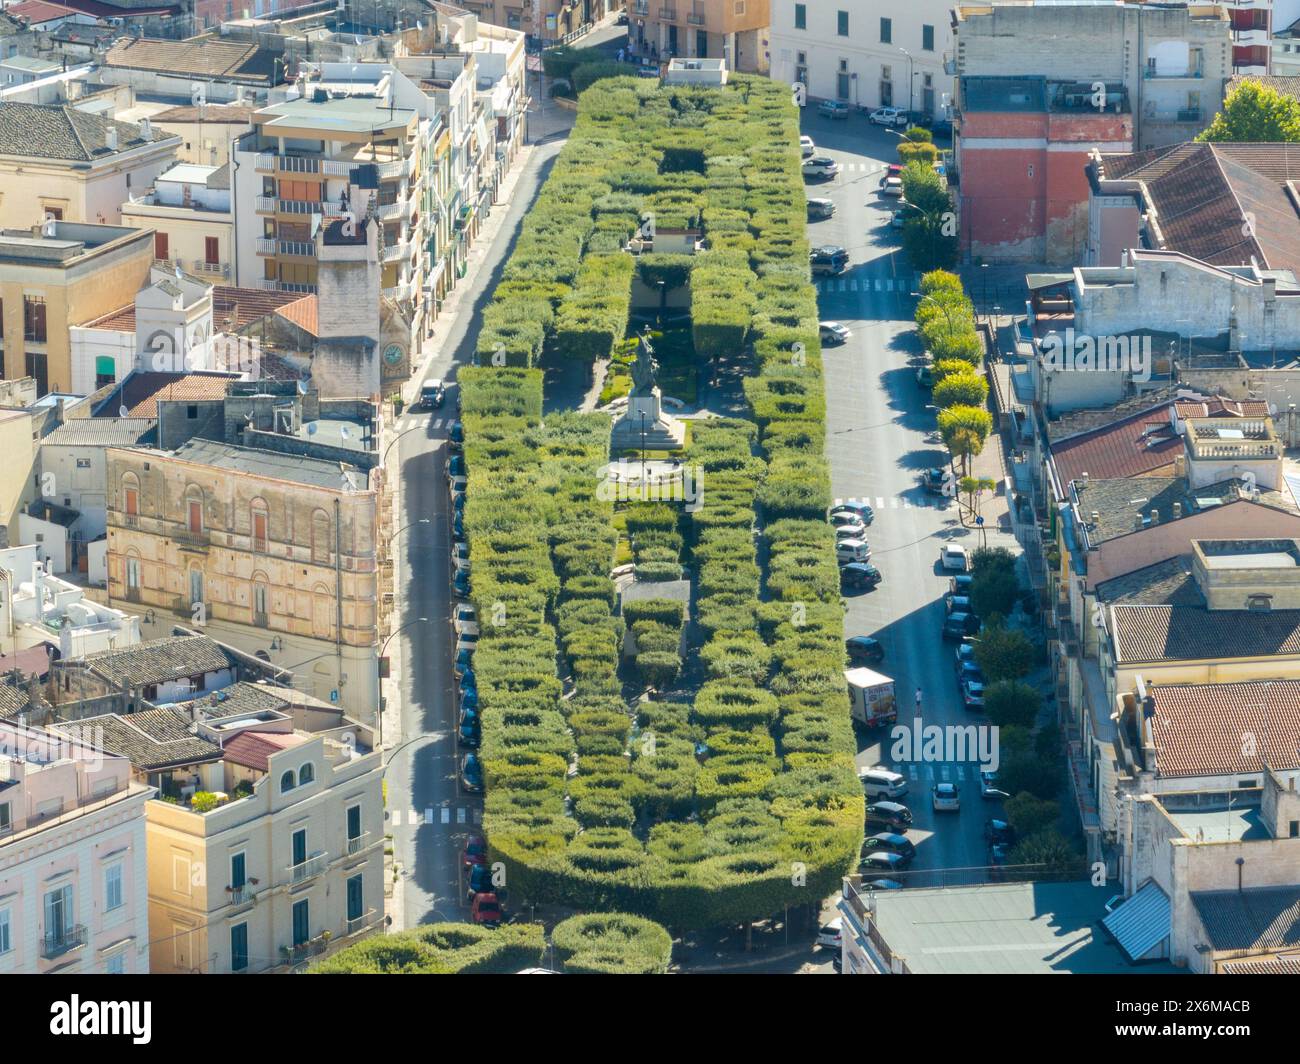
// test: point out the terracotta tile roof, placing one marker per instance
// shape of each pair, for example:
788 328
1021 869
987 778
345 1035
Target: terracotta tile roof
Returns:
204 57
140 392
1193 633
1134 446
106 10
1220 407
245 305
37 11
1203 194
120 320
152 739
159 660
255 749
1287 86
1257 918
1267 966
1198 729
303 313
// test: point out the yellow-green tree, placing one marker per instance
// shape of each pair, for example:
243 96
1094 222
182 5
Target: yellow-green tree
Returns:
1255 112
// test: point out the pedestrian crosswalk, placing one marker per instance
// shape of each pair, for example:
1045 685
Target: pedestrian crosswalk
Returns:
438 423
941 772
900 285
894 503
437 815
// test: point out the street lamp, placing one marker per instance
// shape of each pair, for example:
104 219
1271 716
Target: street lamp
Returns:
643 480
947 311
412 524
384 457
910 76
379 700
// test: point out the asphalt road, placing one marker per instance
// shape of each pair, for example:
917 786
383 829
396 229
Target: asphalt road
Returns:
431 815
877 425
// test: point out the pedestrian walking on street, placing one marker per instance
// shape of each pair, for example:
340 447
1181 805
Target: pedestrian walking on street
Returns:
918 700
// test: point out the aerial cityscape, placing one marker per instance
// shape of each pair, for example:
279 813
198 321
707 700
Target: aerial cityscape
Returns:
635 487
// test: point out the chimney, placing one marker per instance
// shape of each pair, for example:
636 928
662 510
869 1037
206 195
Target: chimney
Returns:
1096 516
1270 289
1083 479
1137 521
1180 465
110 138
1155 517
1178 510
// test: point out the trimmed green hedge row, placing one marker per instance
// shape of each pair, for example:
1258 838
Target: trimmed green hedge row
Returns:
762 761
463 949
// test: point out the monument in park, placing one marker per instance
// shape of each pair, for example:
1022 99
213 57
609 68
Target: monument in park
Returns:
645 424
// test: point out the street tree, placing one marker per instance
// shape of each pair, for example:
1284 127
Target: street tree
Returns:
1254 112
1012 702
964 430
961 389
1029 814
1004 653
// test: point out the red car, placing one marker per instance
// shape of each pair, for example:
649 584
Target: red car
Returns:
475 852
485 909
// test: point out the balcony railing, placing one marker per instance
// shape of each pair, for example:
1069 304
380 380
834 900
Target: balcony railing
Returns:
388 211
1151 73
397 251
361 922
302 249
210 269
1189 114
394 168
313 866
65 939
264 204
356 845
336 167
265 161
240 895
265 246
188 538
270 284
669 13
696 18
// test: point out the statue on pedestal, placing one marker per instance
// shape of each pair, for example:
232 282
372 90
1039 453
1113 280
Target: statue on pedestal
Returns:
645 368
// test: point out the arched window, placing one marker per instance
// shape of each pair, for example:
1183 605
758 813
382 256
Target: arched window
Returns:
194 509
287 782
306 774
259 523
130 497
320 537
322 612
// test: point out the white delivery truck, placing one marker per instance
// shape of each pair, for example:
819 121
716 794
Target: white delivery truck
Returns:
871 697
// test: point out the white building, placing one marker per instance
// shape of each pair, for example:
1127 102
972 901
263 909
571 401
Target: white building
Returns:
867 58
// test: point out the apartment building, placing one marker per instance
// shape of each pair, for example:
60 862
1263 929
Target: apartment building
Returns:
193 222
866 58
293 173
1133 76
733 30
257 517
265 841
55 275
74 166
73 873
207 131
546 22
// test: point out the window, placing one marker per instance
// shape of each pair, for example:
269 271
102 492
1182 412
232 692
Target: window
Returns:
842 23
2 319
195 516
59 919
131 497
354 898
306 774
886 31
132 575
300 932
116 964
259 527
320 537
238 870
211 252
34 319
54 212
191 412
801 16
196 587
287 782
354 821
259 605
160 245
105 370
927 38
113 887
239 947
300 847
6 934
6 823
1295 833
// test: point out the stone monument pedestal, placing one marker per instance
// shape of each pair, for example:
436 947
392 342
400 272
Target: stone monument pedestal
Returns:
661 432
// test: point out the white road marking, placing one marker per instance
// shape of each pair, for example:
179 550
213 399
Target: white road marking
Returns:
877 284
880 503
945 771
446 815
460 816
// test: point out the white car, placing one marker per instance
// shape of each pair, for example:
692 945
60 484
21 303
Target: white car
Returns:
460 555
832 332
806 146
828 937
989 786
848 520
888 116
954 558
820 166
457 484
946 798
892 186
465 619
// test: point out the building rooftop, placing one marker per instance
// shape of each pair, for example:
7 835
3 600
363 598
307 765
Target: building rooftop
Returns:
302 313
293 468
254 749
152 739
1166 583
140 392
1133 445
159 660
240 698
103 432
345 114
1197 729
1269 965
240 114
203 57
1195 633
237 308
1257 918
52 131
1001 928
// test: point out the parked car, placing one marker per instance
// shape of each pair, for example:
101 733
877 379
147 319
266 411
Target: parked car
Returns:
846 532
460 556
884 884
456 436
820 209
432 394
880 782
957 603
468 681
847 519
888 116
941 127
828 259
848 551
960 584
806 146
972 695
469 700
863 648
946 798
828 936
456 485
999 832
485 909
892 187
462 614
475 852
832 332
858 509
456 466
458 524
889 815
820 166
960 625
833 109
925 376
464 663
859 575
934 481
955 556
966 666
882 861
905 211
989 786
480 881
460 583
889 842
471 774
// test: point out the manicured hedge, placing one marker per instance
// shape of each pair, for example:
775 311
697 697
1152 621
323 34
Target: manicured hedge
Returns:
612 944
455 949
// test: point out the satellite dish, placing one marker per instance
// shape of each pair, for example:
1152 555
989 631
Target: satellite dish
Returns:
122 411
311 428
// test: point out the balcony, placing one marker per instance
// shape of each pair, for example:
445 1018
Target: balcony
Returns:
210 271
394 168
187 538
57 943
265 246
396 252
1151 73
336 167
296 954
264 204
313 866
240 895
265 162
296 249
389 211
360 923
1189 114
405 290
696 18
356 845
668 14
270 284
